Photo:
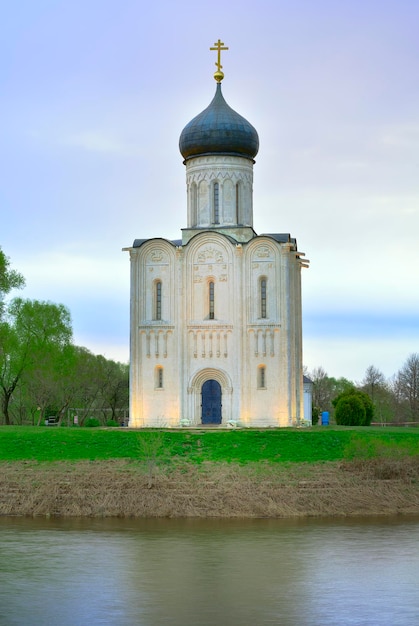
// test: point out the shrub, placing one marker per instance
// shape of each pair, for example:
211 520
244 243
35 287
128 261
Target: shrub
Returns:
112 424
92 422
353 408
350 411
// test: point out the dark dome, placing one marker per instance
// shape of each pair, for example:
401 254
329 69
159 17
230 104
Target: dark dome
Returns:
219 130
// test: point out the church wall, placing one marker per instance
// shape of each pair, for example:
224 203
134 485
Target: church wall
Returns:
154 400
234 177
265 395
274 342
210 334
291 346
254 354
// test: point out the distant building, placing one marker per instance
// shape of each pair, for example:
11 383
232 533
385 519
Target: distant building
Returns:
216 333
308 398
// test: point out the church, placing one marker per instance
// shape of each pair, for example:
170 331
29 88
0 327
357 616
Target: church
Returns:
215 317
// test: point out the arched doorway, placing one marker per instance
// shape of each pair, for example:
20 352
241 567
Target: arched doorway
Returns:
211 402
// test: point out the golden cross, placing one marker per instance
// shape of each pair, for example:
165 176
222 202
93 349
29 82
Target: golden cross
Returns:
219 45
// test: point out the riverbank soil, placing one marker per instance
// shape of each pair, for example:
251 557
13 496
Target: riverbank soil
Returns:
127 488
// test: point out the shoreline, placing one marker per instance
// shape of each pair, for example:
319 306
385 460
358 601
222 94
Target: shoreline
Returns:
130 489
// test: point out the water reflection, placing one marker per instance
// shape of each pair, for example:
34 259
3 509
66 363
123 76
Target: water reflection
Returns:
189 572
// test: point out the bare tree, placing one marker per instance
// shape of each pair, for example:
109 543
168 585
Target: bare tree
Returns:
407 383
381 393
373 379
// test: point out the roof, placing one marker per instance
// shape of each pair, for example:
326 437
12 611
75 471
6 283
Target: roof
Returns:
219 130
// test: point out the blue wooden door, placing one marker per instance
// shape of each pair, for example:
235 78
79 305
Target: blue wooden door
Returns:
211 402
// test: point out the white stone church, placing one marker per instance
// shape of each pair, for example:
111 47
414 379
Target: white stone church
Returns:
216 332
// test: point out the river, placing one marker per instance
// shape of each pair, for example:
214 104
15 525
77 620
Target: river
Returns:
324 572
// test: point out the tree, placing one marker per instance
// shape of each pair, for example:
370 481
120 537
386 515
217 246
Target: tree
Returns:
353 408
324 389
114 393
380 391
373 380
407 381
322 392
40 368
32 330
9 279
350 411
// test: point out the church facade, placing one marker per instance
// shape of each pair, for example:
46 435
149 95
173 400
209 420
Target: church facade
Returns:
216 328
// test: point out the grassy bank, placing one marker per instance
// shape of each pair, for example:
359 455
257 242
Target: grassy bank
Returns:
239 446
273 473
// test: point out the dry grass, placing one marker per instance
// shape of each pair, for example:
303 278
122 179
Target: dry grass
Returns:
121 488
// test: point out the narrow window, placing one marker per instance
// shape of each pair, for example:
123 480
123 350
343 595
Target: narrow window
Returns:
237 202
262 377
194 203
263 310
157 300
211 300
159 378
216 203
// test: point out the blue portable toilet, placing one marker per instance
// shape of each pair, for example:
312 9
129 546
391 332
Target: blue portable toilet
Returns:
325 418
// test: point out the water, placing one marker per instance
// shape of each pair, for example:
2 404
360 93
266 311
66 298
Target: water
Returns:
191 572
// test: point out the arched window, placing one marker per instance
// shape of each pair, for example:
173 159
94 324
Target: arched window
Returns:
263 297
216 198
194 203
261 377
211 300
157 299
237 203
159 378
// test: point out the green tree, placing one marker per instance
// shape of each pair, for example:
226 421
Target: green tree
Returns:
114 392
31 331
353 408
325 388
9 279
92 385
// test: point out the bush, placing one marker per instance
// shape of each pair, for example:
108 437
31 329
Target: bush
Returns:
112 424
350 411
353 408
92 422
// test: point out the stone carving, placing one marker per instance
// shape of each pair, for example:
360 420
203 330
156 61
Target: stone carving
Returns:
221 175
263 252
210 254
156 256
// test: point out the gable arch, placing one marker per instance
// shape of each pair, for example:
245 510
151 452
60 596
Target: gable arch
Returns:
154 264
211 373
263 279
195 387
209 258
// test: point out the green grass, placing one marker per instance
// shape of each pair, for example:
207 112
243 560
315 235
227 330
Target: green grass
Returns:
240 446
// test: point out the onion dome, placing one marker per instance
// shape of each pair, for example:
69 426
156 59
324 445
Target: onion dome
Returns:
219 130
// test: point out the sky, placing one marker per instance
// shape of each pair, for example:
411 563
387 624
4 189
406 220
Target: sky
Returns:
95 93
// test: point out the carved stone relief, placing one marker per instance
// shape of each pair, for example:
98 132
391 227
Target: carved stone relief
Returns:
209 254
